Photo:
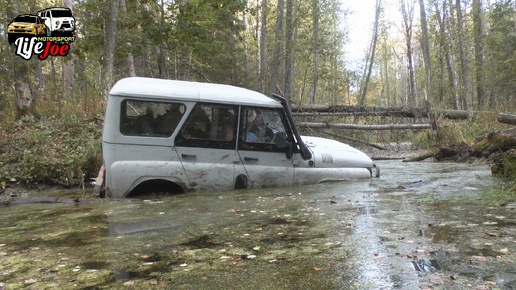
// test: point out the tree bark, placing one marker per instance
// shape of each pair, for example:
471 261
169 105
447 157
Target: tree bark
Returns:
374 40
315 49
161 48
365 127
263 47
277 48
39 92
479 53
462 56
425 47
23 97
289 63
407 24
507 118
131 71
109 46
68 69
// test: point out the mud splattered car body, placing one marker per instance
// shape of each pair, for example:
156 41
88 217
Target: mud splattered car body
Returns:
178 136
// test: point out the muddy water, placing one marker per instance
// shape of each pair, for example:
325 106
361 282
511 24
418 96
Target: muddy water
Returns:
421 225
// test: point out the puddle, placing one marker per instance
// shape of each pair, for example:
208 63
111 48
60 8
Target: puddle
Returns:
421 225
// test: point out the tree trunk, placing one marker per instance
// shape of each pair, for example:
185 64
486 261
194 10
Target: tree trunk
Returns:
22 93
109 46
131 71
39 92
386 73
161 48
68 70
479 53
289 30
407 23
507 118
263 47
374 40
277 48
463 60
315 49
365 127
425 46
451 36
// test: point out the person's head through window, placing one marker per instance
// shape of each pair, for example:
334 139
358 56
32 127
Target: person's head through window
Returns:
252 129
227 121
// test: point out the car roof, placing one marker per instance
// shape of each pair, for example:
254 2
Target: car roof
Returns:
26 15
143 88
55 8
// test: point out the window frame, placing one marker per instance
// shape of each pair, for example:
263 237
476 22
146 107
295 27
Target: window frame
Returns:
261 146
182 141
124 118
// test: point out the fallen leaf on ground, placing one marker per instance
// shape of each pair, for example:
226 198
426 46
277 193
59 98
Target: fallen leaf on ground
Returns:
478 258
30 281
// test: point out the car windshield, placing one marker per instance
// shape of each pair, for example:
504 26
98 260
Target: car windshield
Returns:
61 13
29 19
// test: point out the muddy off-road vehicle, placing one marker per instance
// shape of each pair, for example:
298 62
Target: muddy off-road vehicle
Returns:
178 136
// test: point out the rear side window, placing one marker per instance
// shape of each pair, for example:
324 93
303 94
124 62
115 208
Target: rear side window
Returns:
212 126
144 118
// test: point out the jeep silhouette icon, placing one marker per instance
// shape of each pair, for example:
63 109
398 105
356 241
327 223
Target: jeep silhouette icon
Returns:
59 20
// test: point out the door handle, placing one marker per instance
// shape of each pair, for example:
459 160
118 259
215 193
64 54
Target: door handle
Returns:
188 155
250 159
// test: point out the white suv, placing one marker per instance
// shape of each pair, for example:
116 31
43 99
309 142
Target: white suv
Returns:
178 136
58 20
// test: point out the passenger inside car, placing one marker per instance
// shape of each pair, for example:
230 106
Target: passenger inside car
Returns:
167 122
227 122
253 127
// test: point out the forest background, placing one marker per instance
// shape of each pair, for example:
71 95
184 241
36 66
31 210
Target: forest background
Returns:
439 54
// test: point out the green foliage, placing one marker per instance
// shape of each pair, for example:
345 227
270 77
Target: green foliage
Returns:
51 151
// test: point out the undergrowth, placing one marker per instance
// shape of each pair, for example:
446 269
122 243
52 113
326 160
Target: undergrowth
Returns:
60 151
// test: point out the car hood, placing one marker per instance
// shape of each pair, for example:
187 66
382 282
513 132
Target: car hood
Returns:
331 153
23 24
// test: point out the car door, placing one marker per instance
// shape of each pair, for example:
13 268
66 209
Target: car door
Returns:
263 147
206 146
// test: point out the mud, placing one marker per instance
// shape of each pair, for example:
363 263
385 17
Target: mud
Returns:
421 225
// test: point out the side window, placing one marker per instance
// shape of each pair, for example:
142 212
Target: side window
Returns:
263 129
210 126
144 118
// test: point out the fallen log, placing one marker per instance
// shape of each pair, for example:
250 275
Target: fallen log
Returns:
419 112
354 140
498 141
365 127
421 157
507 118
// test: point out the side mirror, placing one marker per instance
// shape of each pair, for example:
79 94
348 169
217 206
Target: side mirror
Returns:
282 143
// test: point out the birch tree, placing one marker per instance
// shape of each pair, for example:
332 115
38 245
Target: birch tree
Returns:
478 37
425 47
407 26
372 51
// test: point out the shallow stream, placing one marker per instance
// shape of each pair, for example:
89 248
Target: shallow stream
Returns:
421 225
